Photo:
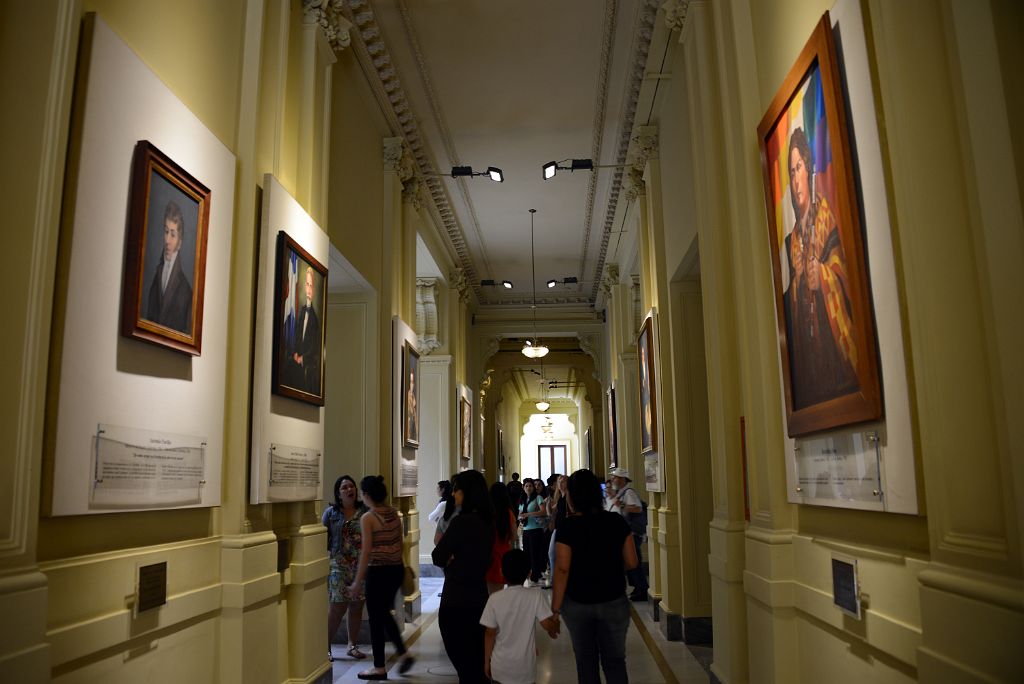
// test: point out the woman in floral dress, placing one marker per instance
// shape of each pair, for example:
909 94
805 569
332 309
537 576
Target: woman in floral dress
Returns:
344 541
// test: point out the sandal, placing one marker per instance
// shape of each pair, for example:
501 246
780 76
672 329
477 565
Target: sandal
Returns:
354 653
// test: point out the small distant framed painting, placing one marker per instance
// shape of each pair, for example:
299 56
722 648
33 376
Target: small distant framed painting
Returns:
165 260
827 341
465 429
300 290
410 396
648 397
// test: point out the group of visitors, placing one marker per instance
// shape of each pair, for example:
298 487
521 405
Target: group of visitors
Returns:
364 540
493 591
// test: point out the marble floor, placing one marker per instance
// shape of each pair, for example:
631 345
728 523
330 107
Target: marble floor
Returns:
650 659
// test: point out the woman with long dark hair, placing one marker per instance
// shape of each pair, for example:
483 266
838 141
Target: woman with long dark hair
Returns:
380 563
465 554
593 550
450 510
504 529
533 515
344 541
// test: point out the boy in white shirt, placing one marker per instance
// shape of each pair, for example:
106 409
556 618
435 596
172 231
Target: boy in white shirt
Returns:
510 651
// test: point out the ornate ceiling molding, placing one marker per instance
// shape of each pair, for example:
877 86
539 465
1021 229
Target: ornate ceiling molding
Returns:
646 17
600 111
328 15
375 59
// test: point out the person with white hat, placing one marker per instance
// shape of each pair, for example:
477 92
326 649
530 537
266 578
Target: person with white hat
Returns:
627 503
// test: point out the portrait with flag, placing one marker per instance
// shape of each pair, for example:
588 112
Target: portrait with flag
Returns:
299 304
827 341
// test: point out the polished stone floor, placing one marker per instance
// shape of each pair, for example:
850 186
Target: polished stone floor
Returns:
650 659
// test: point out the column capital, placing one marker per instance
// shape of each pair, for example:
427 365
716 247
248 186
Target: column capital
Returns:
327 15
610 279
675 13
457 280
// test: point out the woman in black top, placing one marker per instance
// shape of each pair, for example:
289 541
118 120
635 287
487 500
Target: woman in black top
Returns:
465 554
593 550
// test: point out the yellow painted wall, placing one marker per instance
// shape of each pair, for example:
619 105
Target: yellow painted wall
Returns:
225 595
357 159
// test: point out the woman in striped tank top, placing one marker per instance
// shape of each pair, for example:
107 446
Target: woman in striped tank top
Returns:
380 563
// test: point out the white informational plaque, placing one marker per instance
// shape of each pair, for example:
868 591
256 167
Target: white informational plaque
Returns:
296 473
842 466
142 469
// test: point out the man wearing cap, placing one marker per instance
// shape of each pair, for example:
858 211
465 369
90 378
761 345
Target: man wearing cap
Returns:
626 503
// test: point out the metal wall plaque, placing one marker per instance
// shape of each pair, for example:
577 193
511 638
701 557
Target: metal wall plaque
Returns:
152 589
135 468
845 588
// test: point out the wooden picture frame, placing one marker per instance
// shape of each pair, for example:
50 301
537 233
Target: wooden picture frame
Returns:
647 388
162 293
465 429
827 341
300 323
410 396
613 448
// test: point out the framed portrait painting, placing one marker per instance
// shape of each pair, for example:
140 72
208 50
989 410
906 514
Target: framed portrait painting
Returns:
300 293
648 407
827 340
410 396
165 259
465 429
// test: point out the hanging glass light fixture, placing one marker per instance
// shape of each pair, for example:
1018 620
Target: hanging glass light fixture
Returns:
543 404
534 349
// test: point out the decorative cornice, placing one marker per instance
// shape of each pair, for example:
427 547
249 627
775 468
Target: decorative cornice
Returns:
646 18
376 60
327 14
600 109
675 13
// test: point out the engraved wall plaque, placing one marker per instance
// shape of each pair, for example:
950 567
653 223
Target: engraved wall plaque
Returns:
152 588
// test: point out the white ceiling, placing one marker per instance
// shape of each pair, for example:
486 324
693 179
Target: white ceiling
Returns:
514 84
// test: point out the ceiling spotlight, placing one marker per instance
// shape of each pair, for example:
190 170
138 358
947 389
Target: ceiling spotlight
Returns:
552 283
492 172
551 168
507 284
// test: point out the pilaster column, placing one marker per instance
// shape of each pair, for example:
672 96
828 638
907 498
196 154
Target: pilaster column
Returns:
426 315
398 294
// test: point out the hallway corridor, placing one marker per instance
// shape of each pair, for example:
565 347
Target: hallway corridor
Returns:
649 657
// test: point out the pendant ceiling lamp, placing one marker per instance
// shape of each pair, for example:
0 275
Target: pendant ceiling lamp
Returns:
534 349
543 405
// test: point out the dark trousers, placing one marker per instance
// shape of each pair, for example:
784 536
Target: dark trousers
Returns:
537 550
598 632
463 636
382 582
